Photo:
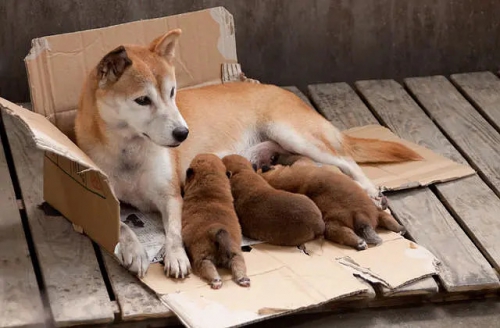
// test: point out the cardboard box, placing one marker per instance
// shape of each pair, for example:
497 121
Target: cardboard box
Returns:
283 279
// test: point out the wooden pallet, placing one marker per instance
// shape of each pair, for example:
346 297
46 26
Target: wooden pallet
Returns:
52 275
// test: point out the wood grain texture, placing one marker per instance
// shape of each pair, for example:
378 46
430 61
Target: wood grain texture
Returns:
340 105
75 287
20 299
136 301
474 205
483 90
470 131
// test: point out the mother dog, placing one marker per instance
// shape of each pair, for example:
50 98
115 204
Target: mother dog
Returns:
134 124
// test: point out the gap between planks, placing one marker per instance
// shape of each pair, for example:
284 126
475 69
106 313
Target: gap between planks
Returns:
340 104
332 106
74 285
471 202
20 298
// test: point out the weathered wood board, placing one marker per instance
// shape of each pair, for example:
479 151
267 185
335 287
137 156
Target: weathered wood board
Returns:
483 90
472 202
340 105
20 300
136 301
478 141
75 287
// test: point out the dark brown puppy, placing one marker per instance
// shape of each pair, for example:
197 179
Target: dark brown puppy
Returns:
210 228
275 216
350 215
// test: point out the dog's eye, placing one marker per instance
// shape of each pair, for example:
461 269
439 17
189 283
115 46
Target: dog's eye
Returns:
172 92
143 101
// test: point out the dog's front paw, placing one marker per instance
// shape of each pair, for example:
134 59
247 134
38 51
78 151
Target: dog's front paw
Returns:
177 263
131 253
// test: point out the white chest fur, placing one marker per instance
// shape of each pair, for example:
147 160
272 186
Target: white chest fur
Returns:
140 172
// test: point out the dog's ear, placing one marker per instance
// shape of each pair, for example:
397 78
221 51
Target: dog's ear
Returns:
254 166
229 174
112 66
165 44
189 173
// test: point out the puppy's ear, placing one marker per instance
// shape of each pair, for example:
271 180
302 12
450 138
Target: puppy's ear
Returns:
254 166
112 66
165 45
189 173
229 174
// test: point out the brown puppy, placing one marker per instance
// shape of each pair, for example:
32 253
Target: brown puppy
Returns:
349 214
210 228
275 216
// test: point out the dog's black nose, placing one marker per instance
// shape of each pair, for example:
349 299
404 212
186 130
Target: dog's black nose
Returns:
180 134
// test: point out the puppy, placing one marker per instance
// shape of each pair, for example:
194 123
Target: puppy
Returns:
210 228
275 216
349 214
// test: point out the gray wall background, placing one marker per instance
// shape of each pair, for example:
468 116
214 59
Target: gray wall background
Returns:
288 42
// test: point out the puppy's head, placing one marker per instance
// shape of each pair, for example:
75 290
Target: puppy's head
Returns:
204 168
236 163
136 89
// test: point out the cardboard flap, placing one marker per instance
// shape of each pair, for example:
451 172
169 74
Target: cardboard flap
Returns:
433 168
58 64
46 136
284 280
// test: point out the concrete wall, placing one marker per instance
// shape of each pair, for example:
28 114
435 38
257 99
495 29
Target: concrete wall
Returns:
288 41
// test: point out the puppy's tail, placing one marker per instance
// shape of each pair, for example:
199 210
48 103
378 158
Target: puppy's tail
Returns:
369 235
364 150
365 230
223 243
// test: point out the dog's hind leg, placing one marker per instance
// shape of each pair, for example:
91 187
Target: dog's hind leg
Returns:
337 233
239 270
207 270
389 222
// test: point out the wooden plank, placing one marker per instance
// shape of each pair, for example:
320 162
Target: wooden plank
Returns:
476 209
75 287
340 105
20 300
483 90
135 299
478 141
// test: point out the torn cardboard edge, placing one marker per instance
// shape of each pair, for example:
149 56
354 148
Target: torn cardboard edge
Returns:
285 280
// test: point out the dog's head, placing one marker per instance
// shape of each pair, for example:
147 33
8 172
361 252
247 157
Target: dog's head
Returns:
203 166
237 163
136 90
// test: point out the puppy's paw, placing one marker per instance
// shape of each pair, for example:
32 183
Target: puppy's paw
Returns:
361 245
216 283
176 263
244 282
131 253
378 199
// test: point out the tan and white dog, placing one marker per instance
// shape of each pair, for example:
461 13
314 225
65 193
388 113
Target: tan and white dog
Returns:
134 124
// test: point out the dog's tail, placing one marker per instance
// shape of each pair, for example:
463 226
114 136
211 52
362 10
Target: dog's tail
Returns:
364 150
223 243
